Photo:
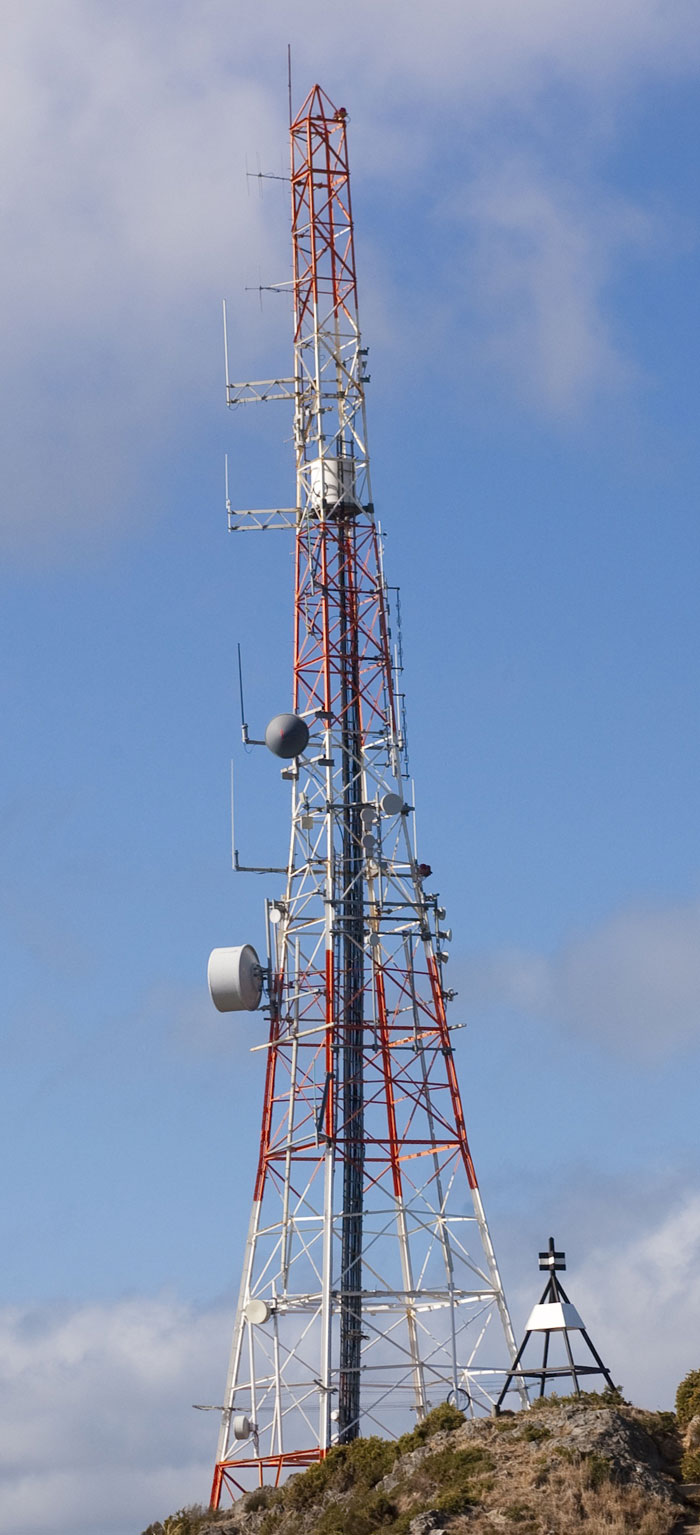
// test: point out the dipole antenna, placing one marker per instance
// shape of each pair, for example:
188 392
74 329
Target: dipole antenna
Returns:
370 1289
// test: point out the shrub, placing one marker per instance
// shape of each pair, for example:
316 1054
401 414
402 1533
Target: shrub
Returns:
366 1461
308 1486
453 1479
360 1516
262 1497
597 1470
360 1465
441 1418
690 1466
337 1519
457 1502
271 1521
448 1462
187 1521
688 1398
606 1398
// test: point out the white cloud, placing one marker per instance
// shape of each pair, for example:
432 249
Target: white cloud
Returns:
640 1301
498 46
122 183
97 1428
545 252
633 982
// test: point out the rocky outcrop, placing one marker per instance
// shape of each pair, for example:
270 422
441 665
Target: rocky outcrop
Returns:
591 1465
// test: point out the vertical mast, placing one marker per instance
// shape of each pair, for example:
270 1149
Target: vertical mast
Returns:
370 1289
332 474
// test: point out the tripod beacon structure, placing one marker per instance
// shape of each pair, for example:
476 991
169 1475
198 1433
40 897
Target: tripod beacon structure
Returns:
370 1289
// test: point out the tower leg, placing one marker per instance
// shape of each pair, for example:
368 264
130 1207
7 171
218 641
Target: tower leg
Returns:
545 1357
598 1360
570 1357
512 1373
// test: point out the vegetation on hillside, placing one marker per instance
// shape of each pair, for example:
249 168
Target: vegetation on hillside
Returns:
592 1464
688 1415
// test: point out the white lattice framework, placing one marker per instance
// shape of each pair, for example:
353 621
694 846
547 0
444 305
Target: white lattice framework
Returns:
370 1288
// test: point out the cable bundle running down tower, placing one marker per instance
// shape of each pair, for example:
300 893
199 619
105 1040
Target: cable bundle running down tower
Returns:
370 1287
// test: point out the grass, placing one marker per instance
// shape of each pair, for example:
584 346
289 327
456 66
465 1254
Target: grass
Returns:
187 1521
595 1399
450 1480
535 1431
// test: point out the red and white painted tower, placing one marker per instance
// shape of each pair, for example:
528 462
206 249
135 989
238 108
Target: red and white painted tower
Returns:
370 1287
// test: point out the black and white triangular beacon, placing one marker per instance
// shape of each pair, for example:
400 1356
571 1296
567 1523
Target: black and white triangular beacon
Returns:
554 1317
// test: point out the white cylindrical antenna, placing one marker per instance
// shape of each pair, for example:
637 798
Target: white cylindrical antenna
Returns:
233 837
225 348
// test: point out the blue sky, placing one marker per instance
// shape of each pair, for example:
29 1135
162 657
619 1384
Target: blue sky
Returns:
525 192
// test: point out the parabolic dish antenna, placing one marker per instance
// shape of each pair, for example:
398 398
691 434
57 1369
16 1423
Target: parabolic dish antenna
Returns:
235 979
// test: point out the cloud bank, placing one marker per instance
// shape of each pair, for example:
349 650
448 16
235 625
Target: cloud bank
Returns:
633 982
640 1303
96 1426
544 255
98 1430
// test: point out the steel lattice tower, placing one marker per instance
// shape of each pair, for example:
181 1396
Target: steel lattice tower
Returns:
370 1287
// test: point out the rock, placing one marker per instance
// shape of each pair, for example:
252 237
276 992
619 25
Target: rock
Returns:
407 1464
634 1456
427 1524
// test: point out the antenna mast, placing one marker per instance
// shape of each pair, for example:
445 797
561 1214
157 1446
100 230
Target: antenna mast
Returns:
370 1288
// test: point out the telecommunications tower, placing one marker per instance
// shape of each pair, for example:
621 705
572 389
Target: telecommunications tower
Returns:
370 1288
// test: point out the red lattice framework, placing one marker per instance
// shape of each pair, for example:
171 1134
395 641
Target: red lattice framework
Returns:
368 1254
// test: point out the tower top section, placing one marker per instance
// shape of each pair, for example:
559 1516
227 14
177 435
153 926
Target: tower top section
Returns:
329 361
328 386
325 284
